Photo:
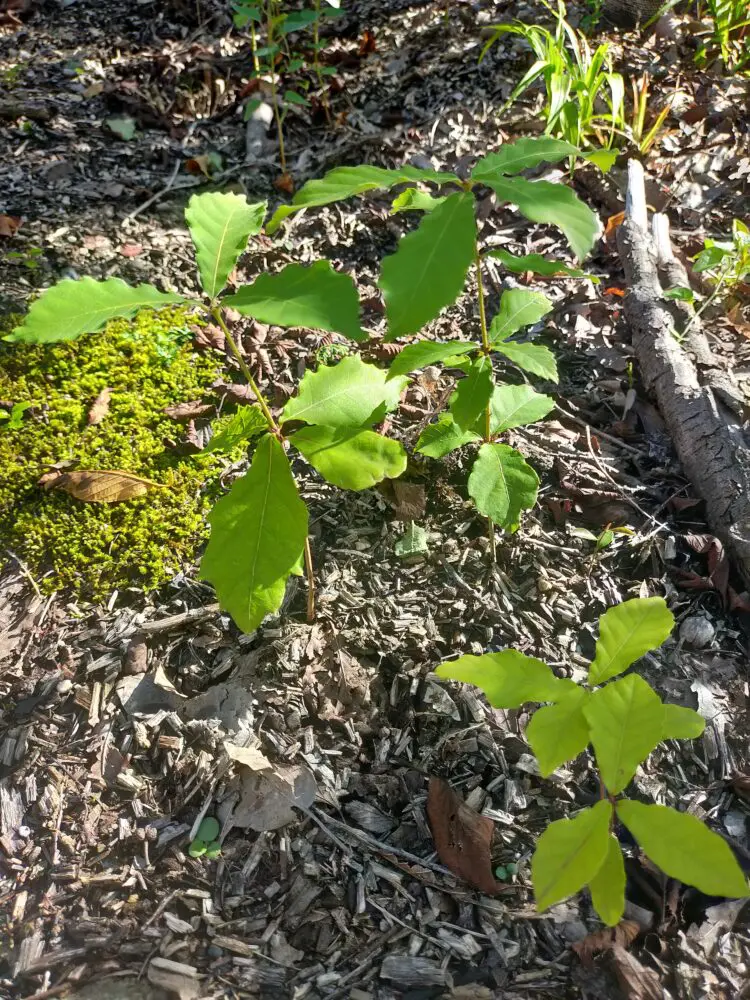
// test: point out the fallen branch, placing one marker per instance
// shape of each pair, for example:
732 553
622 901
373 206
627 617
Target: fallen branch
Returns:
707 433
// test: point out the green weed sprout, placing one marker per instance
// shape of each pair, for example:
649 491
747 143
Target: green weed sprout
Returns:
206 844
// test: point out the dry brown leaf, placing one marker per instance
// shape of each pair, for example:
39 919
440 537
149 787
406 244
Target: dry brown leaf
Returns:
248 756
200 165
188 411
99 486
131 249
267 798
9 225
409 500
235 393
604 940
284 183
637 982
209 336
100 407
463 837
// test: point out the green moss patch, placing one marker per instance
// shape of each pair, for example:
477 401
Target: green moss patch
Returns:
148 364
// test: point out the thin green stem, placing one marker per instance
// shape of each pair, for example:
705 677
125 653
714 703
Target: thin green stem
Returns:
310 573
254 48
698 312
274 89
486 349
272 425
316 62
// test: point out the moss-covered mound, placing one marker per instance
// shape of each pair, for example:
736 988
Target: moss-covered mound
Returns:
94 547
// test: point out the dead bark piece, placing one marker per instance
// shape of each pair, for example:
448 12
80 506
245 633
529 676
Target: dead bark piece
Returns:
707 435
637 982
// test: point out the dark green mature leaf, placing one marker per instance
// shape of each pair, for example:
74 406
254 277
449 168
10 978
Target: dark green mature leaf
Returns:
220 224
444 436
352 458
608 885
554 204
534 358
428 270
684 848
508 679
519 307
559 732
427 352
315 297
70 308
345 182
538 264
626 722
258 533
349 394
502 484
682 723
626 632
230 432
513 157
517 405
472 394
569 854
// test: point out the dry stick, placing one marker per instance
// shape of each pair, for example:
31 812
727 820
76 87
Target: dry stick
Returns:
486 352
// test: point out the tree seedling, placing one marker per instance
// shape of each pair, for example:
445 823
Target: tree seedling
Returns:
259 530
624 720
206 844
428 272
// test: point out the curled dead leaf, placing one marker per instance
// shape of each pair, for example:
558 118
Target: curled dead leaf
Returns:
267 798
100 407
606 939
285 184
99 486
463 837
9 225
189 410
637 982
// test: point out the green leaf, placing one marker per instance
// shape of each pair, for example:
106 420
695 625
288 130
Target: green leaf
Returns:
444 436
538 264
351 458
292 97
519 307
553 204
415 200
517 405
681 723
123 127
508 679
604 159
197 848
427 352
315 297
534 358
258 533
349 394
569 854
684 848
230 432
608 885
220 224
428 270
413 542
208 830
472 394
345 182
559 732
70 308
626 722
514 157
626 632
502 485
679 294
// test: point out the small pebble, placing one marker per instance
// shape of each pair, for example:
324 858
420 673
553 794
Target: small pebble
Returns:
64 686
214 951
697 632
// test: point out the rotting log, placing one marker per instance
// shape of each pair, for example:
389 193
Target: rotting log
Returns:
709 437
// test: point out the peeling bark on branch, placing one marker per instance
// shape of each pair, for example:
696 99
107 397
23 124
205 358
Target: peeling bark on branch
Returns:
710 439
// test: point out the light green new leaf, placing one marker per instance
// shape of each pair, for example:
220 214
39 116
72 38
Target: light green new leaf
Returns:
513 157
538 264
554 204
345 182
230 432
569 854
351 458
427 352
684 848
220 224
534 358
517 405
559 732
315 297
258 533
608 885
444 436
413 542
626 632
682 723
70 308
502 484
509 679
519 307
349 394
626 722
472 394
415 200
428 270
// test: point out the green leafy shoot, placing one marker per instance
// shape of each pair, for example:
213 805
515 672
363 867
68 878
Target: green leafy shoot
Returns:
220 225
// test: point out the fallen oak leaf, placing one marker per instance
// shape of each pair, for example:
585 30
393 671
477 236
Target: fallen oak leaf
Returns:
622 935
99 486
100 407
463 838
189 410
9 225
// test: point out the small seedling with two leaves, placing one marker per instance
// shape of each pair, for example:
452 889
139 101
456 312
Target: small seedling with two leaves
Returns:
206 843
624 720
259 530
